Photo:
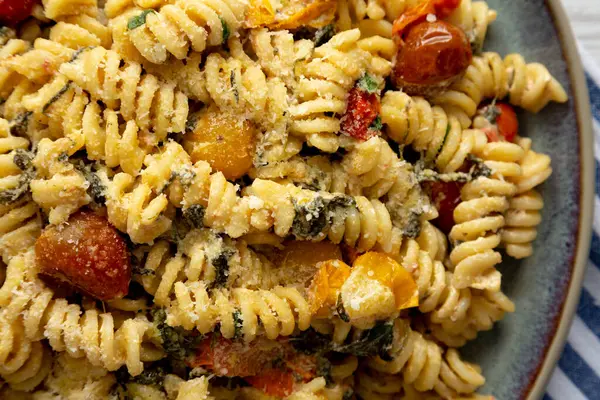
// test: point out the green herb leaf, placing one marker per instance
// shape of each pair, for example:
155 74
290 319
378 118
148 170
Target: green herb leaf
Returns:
375 341
376 125
139 20
324 34
368 83
226 31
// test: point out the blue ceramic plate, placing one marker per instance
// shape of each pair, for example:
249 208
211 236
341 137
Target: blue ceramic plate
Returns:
519 354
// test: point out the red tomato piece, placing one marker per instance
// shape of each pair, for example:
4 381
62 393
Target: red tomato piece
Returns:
433 53
508 125
88 254
361 110
273 382
418 13
503 121
227 357
15 11
445 197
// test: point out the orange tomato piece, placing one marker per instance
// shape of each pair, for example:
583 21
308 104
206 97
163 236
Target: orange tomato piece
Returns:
325 286
273 382
224 140
440 8
291 15
386 270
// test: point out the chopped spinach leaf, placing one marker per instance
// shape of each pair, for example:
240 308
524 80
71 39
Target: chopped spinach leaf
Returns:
22 159
311 342
324 34
176 342
194 215
238 323
221 264
138 20
19 124
374 341
310 219
226 31
376 125
368 83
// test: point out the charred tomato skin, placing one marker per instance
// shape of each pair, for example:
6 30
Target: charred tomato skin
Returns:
14 11
86 253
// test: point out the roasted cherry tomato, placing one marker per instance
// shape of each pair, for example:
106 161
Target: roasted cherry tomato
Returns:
431 57
88 254
15 11
445 197
273 382
418 13
361 112
503 122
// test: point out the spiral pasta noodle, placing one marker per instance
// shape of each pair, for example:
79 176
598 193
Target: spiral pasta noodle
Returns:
437 294
66 326
429 129
523 215
19 221
473 17
426 366
351 13
23 364
58 186
266 205
322 89
479 217
485 309
204 256
530 86
133 208
177 28
139 97
279 310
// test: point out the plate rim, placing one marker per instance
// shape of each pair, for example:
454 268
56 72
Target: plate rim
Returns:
539 379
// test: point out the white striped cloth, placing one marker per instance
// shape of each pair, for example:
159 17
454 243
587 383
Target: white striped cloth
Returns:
577 375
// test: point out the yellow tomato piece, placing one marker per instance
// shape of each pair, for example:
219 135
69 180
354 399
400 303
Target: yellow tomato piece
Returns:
324 289
291 15
391 274
224 140
260 13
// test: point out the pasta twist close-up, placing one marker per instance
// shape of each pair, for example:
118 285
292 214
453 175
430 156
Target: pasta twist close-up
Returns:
425 365
154 105
175 29
527 85
523 215
322 88
413 121
67 327
479 217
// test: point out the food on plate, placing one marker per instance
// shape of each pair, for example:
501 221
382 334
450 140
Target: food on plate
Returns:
220 199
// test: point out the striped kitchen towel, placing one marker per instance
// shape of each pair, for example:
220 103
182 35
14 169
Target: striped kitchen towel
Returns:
577 375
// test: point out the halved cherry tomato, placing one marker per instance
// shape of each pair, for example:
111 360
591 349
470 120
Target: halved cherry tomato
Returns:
432 53
503 122
445 197
15 11
418 13
361 111
507 122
